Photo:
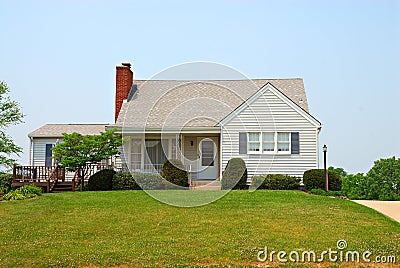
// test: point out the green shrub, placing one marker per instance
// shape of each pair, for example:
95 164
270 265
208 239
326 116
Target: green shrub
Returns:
101 181
5 182
314 179
30 189
149 181
24 192
124 181
234 175
175 172
13 195
137 181
275 182
318 192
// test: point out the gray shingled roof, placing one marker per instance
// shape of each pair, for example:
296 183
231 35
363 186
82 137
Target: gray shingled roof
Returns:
174 103
56 130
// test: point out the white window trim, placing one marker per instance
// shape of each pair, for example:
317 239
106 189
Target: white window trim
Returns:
261 143
290 144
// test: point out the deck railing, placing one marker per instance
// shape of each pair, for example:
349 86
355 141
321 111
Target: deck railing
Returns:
32 174
48 176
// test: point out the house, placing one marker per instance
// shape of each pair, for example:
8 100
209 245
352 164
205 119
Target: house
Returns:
47 136
266 122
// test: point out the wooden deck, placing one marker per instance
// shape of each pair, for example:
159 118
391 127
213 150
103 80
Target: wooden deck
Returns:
52 178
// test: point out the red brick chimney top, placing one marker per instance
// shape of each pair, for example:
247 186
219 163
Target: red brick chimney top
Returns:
124 81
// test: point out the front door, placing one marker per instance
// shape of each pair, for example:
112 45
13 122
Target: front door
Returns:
208 158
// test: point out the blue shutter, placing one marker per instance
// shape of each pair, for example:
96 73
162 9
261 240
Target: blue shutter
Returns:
295 141
242 143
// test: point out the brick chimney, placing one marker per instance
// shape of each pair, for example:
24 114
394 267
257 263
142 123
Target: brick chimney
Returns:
124 80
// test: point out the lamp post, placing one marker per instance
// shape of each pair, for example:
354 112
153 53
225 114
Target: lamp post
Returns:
325 149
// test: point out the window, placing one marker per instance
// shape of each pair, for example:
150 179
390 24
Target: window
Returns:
271 143
207 153
157 151
136 154
268 142
49 155
283 142
254 142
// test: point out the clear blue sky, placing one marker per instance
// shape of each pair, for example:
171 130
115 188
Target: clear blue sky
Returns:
59 58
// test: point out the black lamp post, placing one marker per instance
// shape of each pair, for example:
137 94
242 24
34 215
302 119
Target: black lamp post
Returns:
325 149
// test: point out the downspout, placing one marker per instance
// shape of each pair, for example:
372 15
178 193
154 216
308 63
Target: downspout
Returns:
31 148
318 131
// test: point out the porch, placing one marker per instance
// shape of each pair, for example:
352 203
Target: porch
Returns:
199 152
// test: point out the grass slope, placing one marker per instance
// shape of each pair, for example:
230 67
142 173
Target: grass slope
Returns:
130 228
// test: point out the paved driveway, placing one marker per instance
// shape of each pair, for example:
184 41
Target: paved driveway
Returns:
388 208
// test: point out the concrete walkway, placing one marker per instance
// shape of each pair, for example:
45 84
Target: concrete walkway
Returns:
388 208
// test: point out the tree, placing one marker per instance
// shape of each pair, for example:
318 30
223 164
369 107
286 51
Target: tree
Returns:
77 150
383 180
339 171
10 115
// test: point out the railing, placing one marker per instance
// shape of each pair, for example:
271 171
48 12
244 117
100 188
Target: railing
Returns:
56 174
49 176
31 174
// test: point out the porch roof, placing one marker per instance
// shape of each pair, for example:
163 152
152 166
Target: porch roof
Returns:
156 104
56 130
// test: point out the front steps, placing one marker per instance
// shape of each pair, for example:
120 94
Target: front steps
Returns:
205 185
62 187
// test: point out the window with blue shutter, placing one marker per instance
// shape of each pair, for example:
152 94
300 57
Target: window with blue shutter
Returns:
295 141
242 143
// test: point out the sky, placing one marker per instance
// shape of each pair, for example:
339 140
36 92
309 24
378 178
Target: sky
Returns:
59 58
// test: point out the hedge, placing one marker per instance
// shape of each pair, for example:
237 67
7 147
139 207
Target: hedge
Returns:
275 182
314 179
137 181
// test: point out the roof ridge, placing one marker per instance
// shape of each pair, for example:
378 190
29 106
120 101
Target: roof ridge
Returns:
226 80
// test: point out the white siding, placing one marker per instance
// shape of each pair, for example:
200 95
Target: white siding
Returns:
39 150
270 113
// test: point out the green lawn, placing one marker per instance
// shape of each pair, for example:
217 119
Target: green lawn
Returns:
129 228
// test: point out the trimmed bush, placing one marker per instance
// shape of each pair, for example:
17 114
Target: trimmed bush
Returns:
234 175
314 179
137 181
149 181
124 181
102 180
275 182
174 171
5 182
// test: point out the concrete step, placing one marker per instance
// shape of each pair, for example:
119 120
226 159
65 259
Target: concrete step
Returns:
205 185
